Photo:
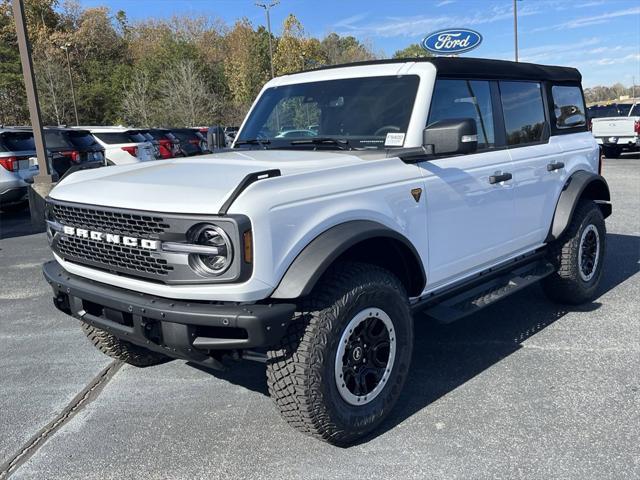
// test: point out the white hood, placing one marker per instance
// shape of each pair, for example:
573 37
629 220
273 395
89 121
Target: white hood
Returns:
187 185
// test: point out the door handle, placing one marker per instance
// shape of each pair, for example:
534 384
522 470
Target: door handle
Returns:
555 166
503 177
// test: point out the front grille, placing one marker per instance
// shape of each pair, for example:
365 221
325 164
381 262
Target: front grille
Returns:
131 259
119 256
130 224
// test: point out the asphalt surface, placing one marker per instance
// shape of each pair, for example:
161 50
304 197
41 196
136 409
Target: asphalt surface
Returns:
524 389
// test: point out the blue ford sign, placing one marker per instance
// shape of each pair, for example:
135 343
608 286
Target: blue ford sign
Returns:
452 41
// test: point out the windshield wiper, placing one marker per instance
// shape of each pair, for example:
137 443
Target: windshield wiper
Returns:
254 141
342 144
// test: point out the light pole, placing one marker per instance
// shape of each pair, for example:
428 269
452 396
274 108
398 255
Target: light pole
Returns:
65 47
515 26
267 7
42 182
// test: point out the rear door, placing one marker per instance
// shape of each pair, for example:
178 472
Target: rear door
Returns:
532 153
469 219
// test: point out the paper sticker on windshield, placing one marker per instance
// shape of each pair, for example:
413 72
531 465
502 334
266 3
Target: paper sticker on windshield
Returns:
394 140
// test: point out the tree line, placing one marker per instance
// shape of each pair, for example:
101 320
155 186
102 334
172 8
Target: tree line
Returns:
177 71
601 93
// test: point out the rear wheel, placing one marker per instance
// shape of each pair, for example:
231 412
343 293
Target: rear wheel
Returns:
611 152
578 256
340 369
120 349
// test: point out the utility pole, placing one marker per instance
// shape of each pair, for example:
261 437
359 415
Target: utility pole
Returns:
267 7
65 47
515 26
42 181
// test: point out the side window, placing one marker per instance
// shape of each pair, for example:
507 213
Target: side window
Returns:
568 107
523 111
464 99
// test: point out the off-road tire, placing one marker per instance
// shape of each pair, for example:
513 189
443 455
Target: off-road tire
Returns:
120 349
566 285
612 152
301 369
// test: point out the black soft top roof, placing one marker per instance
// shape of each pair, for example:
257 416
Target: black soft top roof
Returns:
485 68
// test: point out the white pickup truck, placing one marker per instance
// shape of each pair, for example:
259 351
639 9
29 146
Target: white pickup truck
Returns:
616 134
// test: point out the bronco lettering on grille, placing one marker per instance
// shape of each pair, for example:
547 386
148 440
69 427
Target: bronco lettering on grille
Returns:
110 238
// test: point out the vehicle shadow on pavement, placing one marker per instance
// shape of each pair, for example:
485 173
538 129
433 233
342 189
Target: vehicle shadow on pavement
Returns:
16 224
447 356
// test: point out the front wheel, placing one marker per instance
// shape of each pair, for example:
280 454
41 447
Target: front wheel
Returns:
341 367
578 256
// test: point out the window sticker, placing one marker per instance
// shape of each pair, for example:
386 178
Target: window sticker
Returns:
394 140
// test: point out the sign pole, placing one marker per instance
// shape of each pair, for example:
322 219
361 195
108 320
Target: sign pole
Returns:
515 26
42 181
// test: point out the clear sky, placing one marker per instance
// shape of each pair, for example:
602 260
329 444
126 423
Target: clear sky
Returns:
599 37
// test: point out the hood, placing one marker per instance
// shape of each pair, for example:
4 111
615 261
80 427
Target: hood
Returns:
188 185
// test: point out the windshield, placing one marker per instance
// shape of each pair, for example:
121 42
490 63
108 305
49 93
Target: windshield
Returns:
360 112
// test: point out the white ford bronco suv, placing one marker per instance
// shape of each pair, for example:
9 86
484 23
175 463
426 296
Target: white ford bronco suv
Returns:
435 185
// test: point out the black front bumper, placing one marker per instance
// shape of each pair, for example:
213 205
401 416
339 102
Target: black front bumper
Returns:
191 330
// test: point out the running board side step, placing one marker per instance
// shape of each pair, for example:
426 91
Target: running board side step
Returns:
470 301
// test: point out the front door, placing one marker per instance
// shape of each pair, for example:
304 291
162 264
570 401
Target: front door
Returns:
469 218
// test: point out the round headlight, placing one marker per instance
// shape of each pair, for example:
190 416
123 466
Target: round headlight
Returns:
217 262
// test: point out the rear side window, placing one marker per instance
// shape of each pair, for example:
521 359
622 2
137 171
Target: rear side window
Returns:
568 107
185 135
137 137
635 111
464 99
17 142
113 137
82 139
523 111
56 139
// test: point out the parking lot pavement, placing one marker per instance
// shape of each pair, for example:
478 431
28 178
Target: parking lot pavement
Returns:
523 389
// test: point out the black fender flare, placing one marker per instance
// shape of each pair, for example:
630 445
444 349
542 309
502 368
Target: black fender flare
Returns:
581 184
312 262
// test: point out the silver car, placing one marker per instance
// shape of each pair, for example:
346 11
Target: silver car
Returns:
18 165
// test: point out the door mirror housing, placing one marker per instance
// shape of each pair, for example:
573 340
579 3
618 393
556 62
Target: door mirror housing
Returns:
453 136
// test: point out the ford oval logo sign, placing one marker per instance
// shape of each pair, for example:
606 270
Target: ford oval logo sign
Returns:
452 41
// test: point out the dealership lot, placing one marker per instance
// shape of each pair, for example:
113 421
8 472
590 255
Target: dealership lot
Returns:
523 389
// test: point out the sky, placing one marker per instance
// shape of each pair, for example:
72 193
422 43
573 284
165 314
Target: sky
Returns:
599 37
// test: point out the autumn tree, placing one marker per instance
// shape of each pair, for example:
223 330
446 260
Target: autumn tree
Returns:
296 52
414 50
139 107
247 64
187 98
348 49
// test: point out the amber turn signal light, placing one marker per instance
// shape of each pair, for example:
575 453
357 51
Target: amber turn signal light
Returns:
248 246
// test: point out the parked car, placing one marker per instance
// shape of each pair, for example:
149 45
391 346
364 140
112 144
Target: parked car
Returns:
68 150
296 133
190 141
440 189
618 133
123 145
17 166
167 142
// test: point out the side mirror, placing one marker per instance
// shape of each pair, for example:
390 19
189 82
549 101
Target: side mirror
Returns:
454 136
215 138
